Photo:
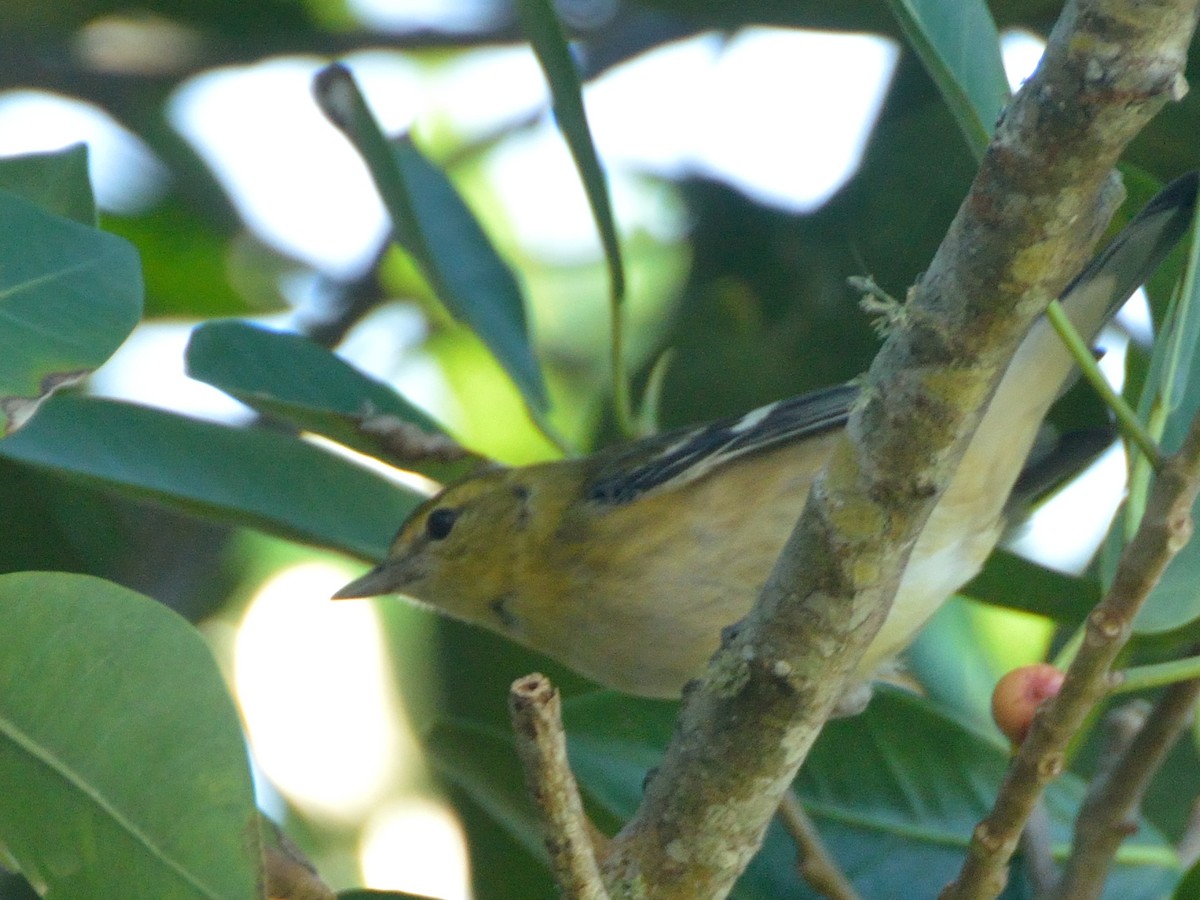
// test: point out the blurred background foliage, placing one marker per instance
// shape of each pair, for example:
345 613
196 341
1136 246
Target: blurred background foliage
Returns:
745 286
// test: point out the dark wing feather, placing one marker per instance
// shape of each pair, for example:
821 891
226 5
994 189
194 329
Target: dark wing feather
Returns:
676 458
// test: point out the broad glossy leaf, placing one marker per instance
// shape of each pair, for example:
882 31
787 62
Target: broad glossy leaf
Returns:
122 763
960 48
58 182
288 376
436 227
245 476
69 295
896 793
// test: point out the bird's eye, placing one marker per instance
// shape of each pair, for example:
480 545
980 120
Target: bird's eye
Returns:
440 522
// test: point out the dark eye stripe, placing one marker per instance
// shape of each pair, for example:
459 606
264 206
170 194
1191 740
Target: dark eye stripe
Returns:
440 522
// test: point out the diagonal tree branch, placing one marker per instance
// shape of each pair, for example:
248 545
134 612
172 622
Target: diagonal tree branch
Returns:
1038 203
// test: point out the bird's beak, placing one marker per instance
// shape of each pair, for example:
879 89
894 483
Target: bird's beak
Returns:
377 581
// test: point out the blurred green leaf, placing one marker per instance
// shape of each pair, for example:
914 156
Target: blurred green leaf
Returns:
957 681
1178 390
960 48
482 762
1064 598
122 761
896 793
193 267
1172 392
245 476
1189 886
57 182
288 376
69 294
432 223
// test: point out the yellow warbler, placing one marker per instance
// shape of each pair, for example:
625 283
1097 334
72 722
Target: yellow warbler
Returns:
626 564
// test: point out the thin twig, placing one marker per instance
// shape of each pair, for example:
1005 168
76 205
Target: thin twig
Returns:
289 874
816 864
571 840
1165 528
1109 811
1038 852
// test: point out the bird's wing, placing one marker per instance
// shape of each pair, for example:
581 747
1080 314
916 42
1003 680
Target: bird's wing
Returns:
676 458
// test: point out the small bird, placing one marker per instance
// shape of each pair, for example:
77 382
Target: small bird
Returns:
626 564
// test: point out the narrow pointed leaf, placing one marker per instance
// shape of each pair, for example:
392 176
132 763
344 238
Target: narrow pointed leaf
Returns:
546 37
436 227
1173 388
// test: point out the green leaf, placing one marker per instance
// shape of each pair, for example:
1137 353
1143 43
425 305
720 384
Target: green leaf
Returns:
290 377
69 295
122 763
957 681
960 47
195 267
58 182
1189 886
895 792
244 476
1015 582
550 47
1180 395
482 762
436 227
1172 391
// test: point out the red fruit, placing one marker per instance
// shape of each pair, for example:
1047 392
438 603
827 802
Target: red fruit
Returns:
1018 695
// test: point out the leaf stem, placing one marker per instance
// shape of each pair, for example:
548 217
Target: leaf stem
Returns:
1141 678
1127 420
